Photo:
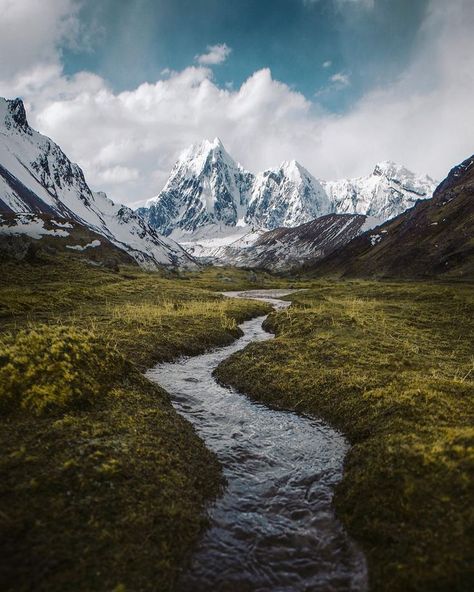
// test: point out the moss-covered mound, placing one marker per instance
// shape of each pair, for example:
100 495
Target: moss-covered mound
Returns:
54 368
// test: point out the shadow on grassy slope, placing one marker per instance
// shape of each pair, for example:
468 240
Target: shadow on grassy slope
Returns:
392 366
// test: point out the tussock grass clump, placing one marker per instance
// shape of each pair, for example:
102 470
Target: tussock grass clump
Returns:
47 368
157 315
392 365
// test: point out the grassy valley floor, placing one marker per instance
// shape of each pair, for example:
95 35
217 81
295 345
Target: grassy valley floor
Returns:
102 484
391 365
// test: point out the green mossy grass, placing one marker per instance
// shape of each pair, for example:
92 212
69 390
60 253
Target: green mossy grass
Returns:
102 484
392 366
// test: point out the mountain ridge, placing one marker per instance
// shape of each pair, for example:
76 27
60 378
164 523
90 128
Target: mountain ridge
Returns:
36 177
432 239
206 186
287 249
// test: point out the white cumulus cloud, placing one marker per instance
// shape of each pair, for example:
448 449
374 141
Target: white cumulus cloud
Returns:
340 80
216 54
128 141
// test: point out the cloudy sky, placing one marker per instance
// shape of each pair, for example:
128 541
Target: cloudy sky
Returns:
124 85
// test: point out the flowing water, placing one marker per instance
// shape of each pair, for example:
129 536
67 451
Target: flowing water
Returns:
274 528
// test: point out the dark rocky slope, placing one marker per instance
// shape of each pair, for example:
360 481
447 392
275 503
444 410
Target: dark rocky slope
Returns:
435 238
282 249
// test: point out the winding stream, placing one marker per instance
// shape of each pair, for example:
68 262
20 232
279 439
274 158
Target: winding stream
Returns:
274 528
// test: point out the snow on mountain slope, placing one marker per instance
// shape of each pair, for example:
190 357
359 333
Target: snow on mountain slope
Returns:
435 238
387 192
210 243
37 177
285 248
286 196
206 187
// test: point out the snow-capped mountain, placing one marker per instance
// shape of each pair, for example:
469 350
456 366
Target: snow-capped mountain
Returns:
36 177
432 239
207 189
387 192
287 196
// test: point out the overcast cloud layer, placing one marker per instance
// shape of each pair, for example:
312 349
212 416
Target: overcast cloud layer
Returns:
127 142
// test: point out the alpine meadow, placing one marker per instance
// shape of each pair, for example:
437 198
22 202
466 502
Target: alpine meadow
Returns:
236 296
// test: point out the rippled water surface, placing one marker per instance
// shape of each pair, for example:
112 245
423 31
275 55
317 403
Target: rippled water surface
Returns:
274 528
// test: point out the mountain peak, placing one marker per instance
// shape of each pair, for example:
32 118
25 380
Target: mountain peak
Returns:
294 170
194 159
216 143
387 168
203 147
13 113
394 171
290 164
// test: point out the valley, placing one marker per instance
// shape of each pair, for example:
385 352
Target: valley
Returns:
389 364
156 437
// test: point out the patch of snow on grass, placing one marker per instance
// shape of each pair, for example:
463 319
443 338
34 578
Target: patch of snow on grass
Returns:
29 225
93 245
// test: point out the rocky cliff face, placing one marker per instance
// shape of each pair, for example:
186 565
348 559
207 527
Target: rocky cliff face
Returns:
36 177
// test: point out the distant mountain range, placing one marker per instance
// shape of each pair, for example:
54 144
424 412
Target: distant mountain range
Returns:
42 193
284 219
207 188
435 238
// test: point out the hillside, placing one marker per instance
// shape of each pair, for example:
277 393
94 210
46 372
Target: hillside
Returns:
38 179
435 238
285 248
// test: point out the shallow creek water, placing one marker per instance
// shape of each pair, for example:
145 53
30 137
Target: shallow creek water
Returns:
274 528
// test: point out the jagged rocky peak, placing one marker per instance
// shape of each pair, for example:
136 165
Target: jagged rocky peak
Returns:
385 193
400 174
199 156
388 168
293 167
13 114
286 196
36 177
206 187
200 160
290 170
